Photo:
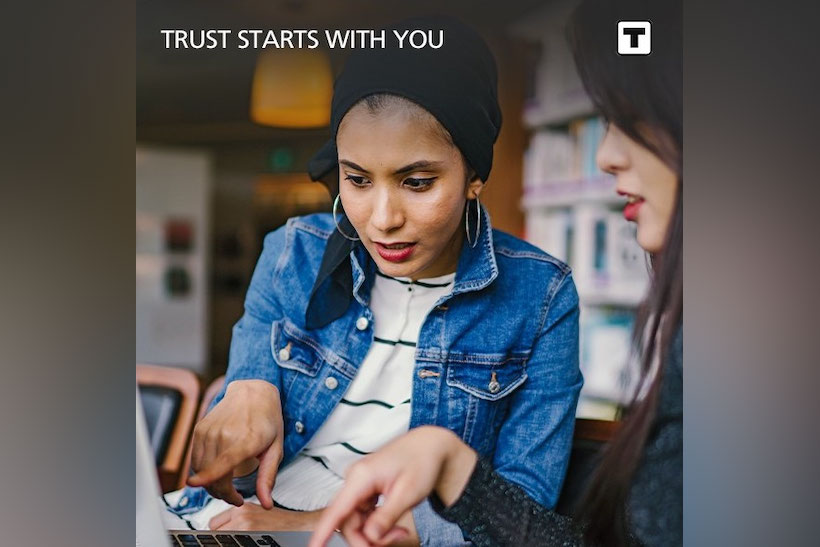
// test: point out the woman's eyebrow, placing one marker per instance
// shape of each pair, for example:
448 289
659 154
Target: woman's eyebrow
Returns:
422 164
354 166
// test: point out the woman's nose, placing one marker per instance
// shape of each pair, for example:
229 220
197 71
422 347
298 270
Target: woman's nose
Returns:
610 156
387 214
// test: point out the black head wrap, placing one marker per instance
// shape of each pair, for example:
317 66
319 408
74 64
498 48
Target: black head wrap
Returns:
457 83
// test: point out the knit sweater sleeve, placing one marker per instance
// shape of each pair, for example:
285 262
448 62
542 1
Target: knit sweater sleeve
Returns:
494 511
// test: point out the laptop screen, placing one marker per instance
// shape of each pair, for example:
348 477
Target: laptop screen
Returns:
150 531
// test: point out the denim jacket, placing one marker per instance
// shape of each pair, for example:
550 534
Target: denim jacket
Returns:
496 361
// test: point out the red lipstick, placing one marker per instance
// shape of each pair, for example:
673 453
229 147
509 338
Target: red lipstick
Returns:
631 210
395 252
632 206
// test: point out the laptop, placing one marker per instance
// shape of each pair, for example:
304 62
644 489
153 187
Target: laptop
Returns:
152 533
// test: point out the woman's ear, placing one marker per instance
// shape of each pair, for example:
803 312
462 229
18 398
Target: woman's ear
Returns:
474 188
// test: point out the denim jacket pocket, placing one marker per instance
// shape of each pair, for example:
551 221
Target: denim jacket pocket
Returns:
489 380
307 399
479 395
293 349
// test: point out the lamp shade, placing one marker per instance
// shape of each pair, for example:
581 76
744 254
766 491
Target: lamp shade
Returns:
292 88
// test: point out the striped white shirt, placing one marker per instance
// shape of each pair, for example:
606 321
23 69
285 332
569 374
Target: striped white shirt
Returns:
376 407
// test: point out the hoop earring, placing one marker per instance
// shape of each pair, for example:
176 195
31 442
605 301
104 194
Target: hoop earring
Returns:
473 242
336 222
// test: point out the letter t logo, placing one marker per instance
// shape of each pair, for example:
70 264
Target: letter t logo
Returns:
634 37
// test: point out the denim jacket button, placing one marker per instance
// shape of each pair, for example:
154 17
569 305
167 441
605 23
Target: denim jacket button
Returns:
362 323
331 382
299 427
494 386
284 354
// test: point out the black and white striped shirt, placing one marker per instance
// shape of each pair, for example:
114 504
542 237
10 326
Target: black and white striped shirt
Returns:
376 407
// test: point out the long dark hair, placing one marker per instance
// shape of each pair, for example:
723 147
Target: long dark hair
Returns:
642 96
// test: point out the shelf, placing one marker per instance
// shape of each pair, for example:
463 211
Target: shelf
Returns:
623 294
566 193
539 120
610 298
596 409
574 105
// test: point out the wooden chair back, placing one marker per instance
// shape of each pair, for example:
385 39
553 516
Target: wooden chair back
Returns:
186 383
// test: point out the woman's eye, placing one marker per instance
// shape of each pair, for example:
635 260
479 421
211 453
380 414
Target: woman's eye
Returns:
356 180
419 184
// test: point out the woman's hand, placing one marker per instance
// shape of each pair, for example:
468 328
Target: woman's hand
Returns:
425 460
252 516
242 431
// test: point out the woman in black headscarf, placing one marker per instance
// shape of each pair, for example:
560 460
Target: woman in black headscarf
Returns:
403 308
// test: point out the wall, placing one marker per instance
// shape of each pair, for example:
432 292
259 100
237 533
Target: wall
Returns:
172 186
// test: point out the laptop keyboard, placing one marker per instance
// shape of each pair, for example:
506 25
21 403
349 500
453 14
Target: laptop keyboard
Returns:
221 540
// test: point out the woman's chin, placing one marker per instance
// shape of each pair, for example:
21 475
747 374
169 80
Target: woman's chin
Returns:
394 269
649 240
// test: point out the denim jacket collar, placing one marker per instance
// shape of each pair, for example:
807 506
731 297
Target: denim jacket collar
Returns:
477 267
340 280
364 272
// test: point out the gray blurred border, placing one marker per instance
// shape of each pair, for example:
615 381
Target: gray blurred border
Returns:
751 435
66 257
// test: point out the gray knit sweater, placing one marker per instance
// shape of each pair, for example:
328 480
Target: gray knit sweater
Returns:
493 511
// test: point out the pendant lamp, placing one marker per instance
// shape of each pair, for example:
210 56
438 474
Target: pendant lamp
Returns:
292 88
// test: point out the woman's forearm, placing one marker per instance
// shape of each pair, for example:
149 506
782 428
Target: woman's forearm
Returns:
458 465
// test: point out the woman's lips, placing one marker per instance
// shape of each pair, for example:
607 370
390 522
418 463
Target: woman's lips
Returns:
395 252
633 204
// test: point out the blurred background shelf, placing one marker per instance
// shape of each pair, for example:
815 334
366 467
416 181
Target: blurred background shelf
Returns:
618 298
597 409
569 192
572 211
572 105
